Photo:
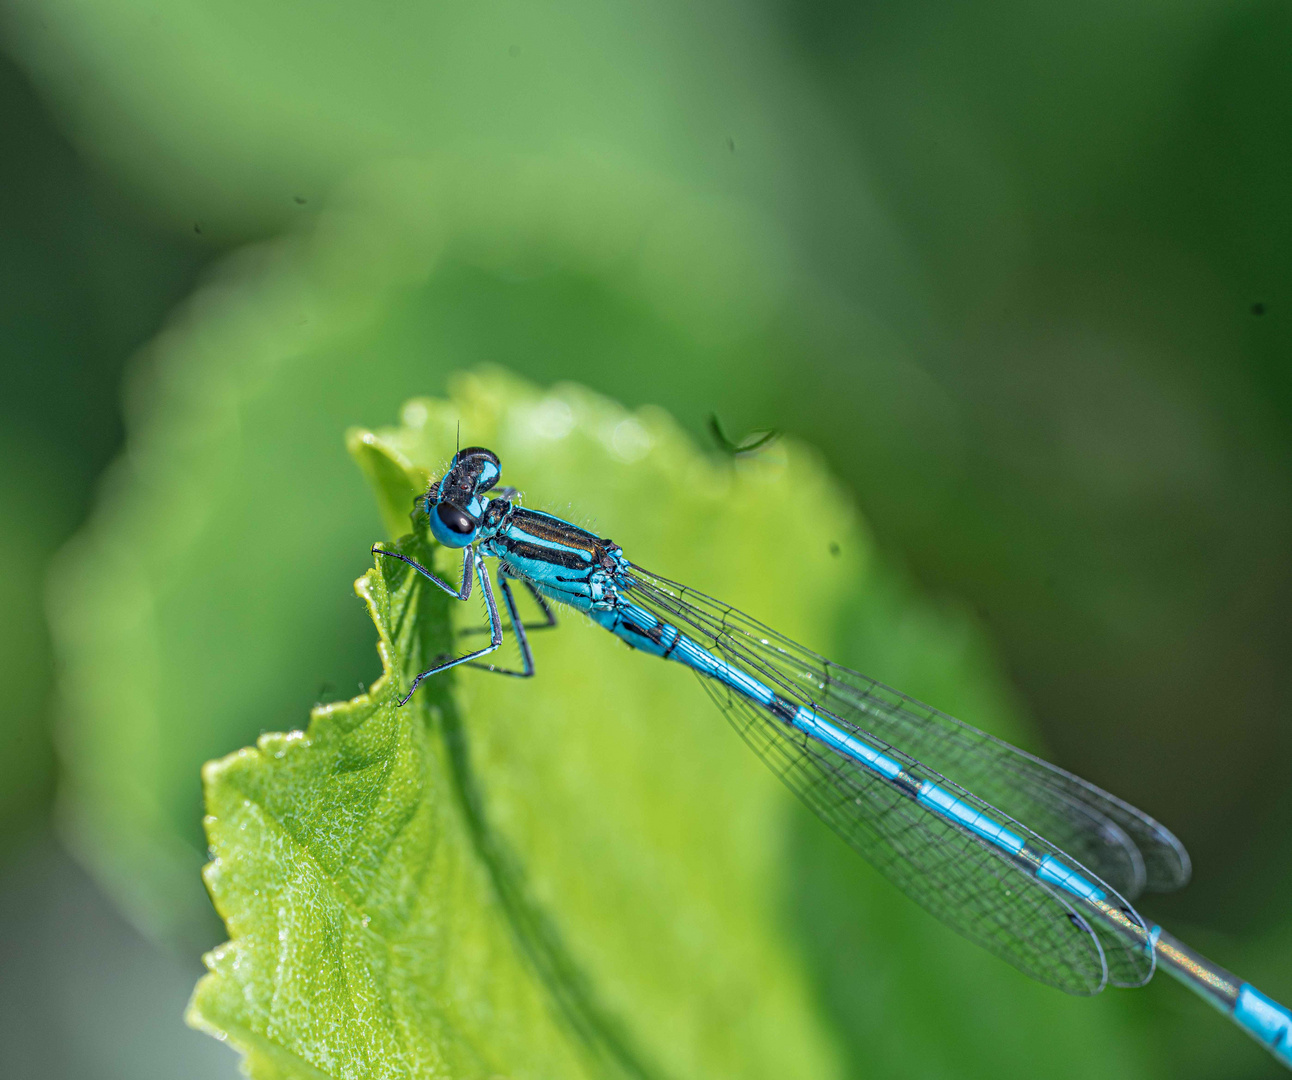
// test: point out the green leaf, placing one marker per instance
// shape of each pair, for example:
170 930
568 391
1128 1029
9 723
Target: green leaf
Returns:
576 873
587 873
366 940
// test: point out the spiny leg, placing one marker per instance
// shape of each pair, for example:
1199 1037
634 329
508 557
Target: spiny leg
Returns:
469 563
518 628
549 616
468 567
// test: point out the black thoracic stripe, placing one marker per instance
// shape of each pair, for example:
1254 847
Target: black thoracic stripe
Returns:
556 531
582 579
522 549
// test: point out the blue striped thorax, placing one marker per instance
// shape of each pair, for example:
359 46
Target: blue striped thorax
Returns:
565 562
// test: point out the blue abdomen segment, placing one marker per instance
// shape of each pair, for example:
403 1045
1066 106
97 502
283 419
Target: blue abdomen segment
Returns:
823 731
643 630
1056 873
968 817
1266 1021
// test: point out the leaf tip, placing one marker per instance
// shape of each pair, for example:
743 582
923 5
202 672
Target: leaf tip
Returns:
396 481
358 438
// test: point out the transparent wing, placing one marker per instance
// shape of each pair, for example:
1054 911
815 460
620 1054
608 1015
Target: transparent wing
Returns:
956 877
1123 845
966 882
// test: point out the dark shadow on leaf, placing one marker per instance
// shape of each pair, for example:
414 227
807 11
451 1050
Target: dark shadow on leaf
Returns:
605 1038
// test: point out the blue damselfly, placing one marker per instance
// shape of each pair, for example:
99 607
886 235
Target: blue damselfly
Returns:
1027 860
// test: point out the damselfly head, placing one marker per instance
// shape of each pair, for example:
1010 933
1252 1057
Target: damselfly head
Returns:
453 502
475 468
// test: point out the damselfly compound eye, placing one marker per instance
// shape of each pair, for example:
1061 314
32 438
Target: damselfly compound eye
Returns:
455 518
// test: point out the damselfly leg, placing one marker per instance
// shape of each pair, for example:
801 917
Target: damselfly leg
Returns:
517 626
549 616
468 568
471 567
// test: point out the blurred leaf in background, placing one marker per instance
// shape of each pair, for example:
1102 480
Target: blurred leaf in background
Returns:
85 279
1021 271
86 276
1097 195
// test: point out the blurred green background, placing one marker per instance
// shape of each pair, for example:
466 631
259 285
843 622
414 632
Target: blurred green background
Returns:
1021 271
